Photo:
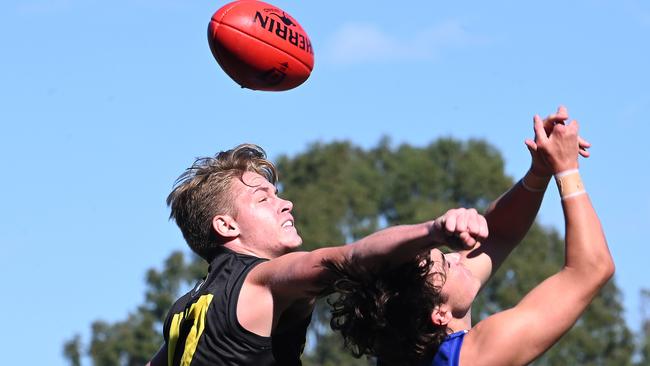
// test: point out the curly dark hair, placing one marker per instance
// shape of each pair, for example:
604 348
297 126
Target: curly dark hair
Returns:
385 312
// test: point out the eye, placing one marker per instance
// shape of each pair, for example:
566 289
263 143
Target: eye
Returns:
263 199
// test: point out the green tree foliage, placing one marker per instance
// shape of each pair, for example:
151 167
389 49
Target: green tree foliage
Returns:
343 192
644 337
72 351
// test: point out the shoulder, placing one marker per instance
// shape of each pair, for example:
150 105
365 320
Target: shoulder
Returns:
448 353
229 269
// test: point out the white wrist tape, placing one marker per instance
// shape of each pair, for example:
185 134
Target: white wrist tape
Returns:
569 183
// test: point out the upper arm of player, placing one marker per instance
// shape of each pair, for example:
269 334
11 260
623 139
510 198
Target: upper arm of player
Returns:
274 286
296 275
524 332
521 334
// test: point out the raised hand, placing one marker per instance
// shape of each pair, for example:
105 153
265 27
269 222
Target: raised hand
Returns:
560 149
460 228
539 166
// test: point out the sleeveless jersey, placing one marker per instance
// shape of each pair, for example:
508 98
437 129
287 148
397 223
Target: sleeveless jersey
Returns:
449 351
202 329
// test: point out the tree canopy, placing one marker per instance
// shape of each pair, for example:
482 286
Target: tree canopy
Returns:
342 192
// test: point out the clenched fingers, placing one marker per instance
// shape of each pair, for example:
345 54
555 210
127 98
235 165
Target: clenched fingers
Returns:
463 227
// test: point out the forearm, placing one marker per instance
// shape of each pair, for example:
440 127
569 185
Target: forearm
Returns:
300 274
510 216
393 245
587 254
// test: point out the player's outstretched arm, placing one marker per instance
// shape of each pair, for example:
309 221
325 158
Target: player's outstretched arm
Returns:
524 332
294 280
301 274
511 215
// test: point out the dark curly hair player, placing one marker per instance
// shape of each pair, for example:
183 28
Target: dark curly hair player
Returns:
418 312
388 306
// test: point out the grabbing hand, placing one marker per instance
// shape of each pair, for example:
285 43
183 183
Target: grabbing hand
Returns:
559 150
539 166
460 228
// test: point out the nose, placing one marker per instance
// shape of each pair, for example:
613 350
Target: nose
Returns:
286 206
453 258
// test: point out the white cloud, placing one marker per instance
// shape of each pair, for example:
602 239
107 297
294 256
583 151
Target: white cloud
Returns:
355 43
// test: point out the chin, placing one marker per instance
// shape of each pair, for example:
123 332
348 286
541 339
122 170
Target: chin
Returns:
292 245
296 239
296 243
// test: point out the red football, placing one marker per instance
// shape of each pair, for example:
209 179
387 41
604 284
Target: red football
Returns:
260 46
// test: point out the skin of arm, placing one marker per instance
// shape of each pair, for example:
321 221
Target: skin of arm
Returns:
275 285
297 274
509 218
511 215
524 332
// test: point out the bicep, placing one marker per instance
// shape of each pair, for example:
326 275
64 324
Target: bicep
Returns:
296 275
523 333
274 286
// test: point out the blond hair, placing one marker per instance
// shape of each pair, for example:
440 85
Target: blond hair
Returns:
203 192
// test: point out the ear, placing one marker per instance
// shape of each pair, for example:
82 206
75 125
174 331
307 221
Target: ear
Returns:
225 226
441 315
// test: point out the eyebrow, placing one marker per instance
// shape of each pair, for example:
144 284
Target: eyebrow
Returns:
266 189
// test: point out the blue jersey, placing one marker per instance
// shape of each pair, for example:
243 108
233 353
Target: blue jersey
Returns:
449 351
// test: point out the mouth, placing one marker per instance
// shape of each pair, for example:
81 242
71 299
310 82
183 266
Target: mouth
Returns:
288 223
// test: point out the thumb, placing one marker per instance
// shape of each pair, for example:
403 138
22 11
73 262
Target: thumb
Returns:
531 145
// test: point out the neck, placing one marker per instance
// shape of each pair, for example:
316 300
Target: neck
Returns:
239 247
458 324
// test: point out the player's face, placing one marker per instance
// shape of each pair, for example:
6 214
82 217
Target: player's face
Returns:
264 219
460 286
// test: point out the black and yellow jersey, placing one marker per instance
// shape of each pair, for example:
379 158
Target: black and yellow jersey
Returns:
201 328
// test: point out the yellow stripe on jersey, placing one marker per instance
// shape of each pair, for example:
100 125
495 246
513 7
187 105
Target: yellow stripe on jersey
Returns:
196 314
174 331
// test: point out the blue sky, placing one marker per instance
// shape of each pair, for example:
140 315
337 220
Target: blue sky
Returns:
103 104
